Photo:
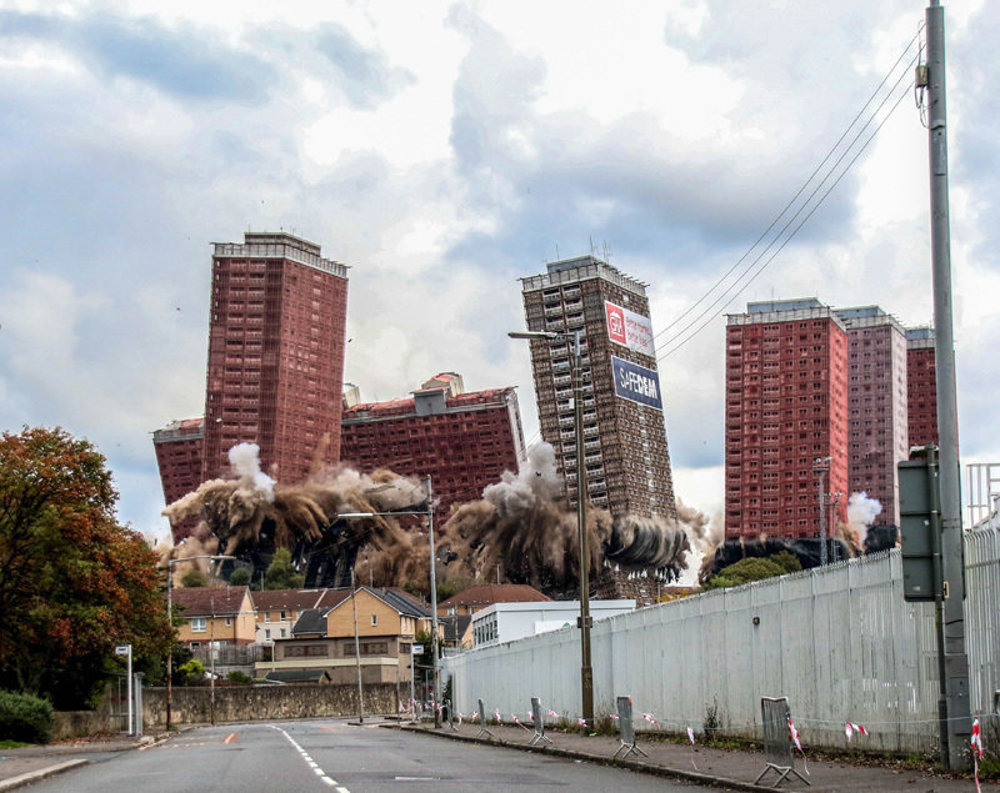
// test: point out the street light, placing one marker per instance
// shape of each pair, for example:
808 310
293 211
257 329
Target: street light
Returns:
170 619
576 375
821 465
429 512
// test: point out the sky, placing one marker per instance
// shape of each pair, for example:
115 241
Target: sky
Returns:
442 150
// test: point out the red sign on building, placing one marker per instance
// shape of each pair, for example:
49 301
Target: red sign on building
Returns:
616 323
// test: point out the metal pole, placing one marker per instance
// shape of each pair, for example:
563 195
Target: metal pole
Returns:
434 605
131 722
357 648
586 671
211 651
822 522
170 651
952 551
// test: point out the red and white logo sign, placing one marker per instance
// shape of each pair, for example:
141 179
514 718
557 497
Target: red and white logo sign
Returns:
616 323
629 329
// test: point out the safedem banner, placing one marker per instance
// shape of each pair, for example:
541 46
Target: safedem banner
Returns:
636 383
629 329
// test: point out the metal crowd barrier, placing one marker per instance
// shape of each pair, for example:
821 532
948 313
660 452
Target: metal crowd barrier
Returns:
536 716
775 716
483 730
626 728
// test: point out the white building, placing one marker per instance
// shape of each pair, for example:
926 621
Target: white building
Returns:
505 622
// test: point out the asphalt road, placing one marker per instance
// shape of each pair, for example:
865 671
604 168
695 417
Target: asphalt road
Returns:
299 757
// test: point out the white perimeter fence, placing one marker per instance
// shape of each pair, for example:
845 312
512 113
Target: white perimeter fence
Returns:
839 642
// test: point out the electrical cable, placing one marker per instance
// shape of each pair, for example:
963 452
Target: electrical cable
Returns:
784 242
791 202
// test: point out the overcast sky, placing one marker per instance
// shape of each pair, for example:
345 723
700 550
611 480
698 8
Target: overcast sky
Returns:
442 150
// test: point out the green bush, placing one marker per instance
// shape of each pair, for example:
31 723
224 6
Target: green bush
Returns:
238 677
25 718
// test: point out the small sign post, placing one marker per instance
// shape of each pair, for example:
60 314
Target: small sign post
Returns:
125 650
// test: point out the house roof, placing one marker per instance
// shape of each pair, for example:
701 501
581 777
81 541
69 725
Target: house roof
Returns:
418 602
209 601
297 675
488 594
310 621
455 626
331 598
402 602
292 599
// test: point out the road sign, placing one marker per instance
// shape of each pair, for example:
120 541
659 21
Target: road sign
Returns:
417 649
123 649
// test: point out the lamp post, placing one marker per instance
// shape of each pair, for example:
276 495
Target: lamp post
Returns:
576 375
357 648
170 619
429 512
820 466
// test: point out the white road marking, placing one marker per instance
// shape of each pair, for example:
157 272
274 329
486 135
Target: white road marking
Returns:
312 764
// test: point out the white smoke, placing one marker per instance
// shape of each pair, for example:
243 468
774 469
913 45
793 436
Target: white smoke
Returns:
537 480
245 461
861 514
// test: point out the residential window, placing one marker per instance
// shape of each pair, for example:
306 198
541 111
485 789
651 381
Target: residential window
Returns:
267 616
267 635
374 619
282 633
198 625
229 622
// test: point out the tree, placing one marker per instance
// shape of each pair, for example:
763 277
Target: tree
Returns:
193 579
753 569
240 577
73 583
281 574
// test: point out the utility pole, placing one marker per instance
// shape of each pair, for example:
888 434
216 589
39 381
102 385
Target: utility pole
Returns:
434 607
357 647
956 661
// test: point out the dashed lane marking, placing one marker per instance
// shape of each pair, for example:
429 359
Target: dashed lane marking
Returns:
310 762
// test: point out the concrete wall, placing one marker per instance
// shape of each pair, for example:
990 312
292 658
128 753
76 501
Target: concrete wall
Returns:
193 705
68 724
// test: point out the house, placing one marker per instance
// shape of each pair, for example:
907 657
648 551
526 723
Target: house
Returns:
457 631
469 601
279 609
506 622
214 615
322 646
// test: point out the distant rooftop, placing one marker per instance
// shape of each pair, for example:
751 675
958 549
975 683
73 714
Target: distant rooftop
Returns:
793 304
184 429
488 594
581 268
279 245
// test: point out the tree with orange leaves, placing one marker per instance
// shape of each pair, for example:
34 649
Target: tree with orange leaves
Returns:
73 582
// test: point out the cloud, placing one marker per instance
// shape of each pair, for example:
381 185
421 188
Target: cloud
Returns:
443 153
366 77
179 61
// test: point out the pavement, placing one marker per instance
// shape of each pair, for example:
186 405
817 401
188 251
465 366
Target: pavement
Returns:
28 764
733 769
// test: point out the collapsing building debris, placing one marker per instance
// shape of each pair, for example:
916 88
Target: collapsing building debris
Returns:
520 524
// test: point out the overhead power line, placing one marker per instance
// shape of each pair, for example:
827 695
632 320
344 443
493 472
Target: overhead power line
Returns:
680 337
